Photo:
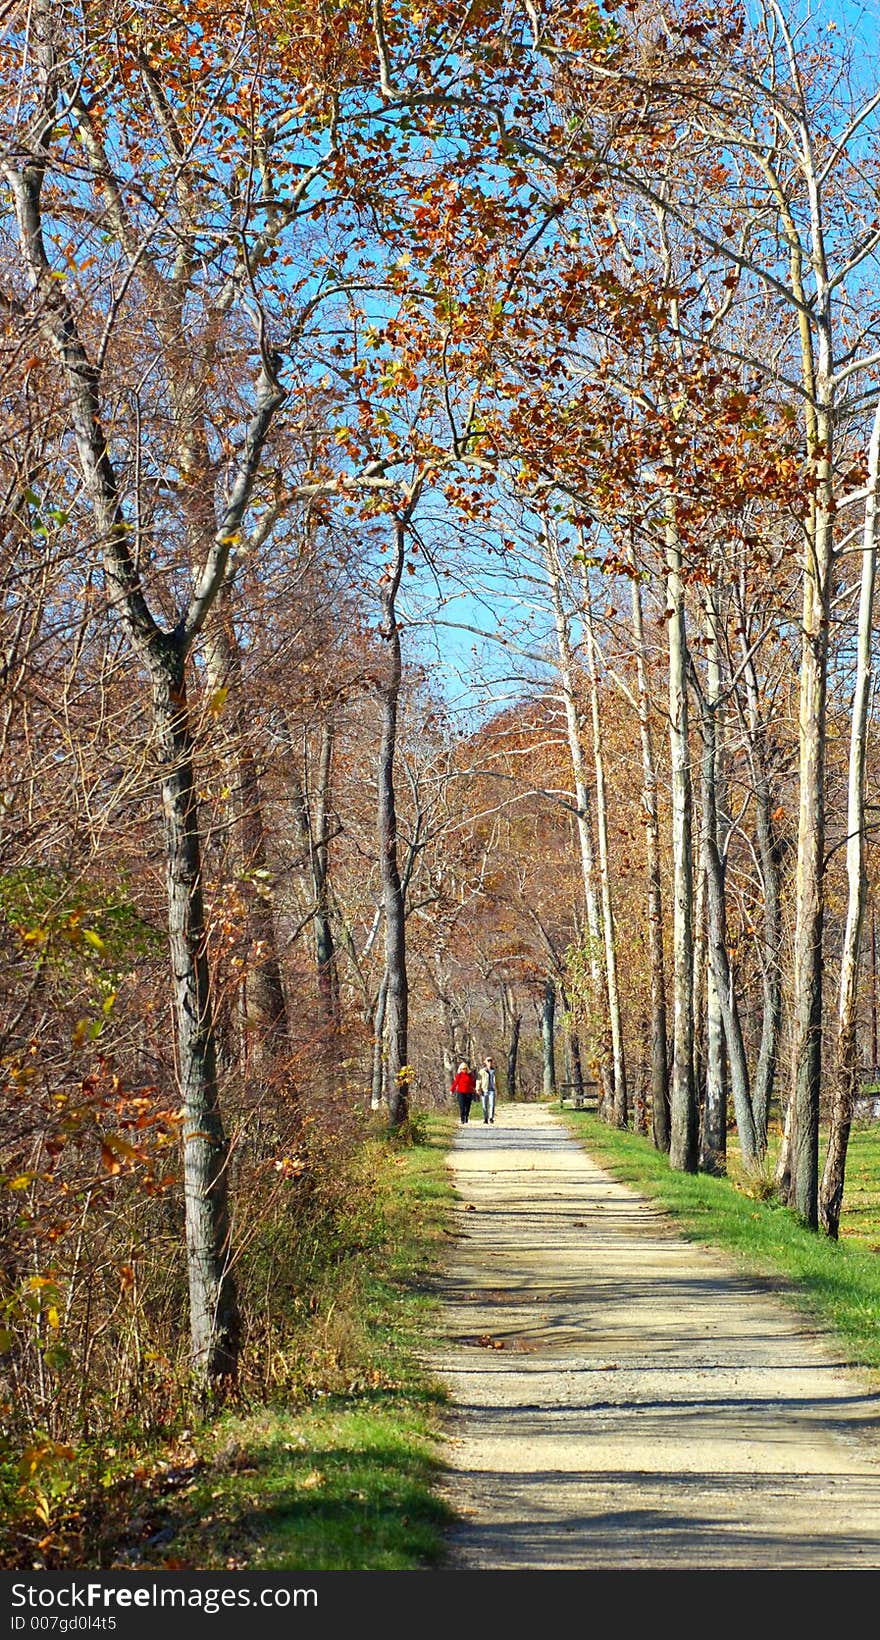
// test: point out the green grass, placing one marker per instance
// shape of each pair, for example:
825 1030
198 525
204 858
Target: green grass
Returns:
838 1284
343 1476
349 1487
861 1202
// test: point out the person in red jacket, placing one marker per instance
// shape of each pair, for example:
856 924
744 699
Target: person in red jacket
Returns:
464 1086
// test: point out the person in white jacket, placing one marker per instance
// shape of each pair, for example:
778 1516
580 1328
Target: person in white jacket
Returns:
486 1086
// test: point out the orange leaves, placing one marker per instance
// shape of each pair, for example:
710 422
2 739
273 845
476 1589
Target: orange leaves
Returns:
116 1151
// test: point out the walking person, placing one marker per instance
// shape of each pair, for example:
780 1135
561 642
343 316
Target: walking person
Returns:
464 1086
487 1086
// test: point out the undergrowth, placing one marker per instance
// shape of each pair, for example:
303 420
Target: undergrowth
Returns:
328 1458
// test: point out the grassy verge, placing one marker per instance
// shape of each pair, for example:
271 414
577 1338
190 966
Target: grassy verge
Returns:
337 1469
838 1284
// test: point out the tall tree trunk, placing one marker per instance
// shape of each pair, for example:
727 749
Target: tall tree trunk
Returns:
768 854
515 1018
846 1087
715 892
265 1009
585 837
782 1181
806 1056
377 1079
640 1101
614 1014
872 996
684 1135
325 950
311 816
659 1062
713 1137
577 1069
548 1047
397 1009
701 976
819 401
214 1318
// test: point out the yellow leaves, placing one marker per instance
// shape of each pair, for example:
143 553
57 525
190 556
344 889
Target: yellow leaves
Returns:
94 940
36 1457
22 1181
217 701
32 1459
37 938
115 1151
19 1076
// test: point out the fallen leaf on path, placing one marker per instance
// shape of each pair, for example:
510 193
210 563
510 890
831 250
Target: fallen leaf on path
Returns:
490 1343
469 1208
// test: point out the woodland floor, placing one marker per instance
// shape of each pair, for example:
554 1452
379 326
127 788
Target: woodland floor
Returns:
623 1398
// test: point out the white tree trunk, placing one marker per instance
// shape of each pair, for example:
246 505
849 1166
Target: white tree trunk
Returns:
582 795
659 1062
831 1196
684 1136
620 1109
715 893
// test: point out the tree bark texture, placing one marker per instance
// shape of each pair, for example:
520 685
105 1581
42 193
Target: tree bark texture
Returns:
684 1124
713 1134
771 970
214 1319
265 1008
548 1046
325 950
515 1018
713 865
377 1079
397 1007
598 976
614 1011
847 1068
659 1060
806 1057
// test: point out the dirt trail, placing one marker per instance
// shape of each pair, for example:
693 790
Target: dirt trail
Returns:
650 1407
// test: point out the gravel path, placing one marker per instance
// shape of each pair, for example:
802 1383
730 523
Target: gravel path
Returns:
622 1398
